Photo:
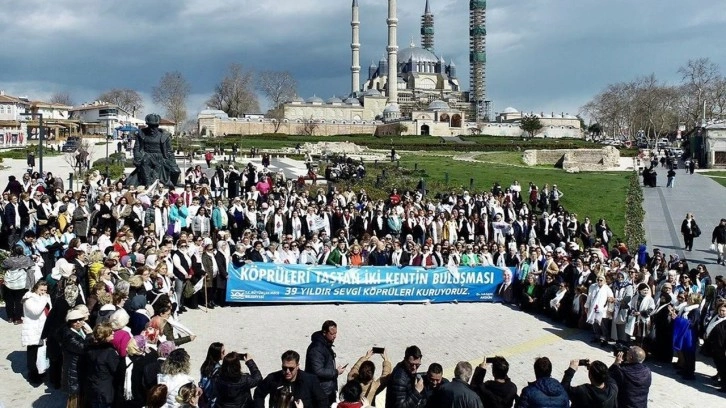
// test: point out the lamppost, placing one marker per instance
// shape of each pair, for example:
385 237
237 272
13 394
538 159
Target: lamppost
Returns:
41 134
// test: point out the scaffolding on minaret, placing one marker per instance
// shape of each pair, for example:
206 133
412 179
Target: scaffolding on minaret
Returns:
477 54
427 28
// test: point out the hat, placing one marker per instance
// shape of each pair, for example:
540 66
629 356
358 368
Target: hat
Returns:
75 315
140 341
84 309
166 348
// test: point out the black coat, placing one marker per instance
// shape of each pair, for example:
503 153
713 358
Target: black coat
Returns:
587 395
74 349
306 388
455 394
320 361
237 393
400 392
633 381
492 393
104 373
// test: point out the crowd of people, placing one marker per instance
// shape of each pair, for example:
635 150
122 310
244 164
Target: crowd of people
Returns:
100 277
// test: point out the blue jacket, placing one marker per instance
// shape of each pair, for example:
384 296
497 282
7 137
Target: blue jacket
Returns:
178 214
544 393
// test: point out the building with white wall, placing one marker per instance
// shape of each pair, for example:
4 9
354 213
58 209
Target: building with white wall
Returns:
13 131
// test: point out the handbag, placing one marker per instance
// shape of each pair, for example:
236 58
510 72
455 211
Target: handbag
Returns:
41 362
188 290
696 231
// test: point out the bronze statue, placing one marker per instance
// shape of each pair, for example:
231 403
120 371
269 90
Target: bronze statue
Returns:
153 156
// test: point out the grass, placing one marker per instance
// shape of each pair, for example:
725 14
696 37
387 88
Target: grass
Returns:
717 176
22 153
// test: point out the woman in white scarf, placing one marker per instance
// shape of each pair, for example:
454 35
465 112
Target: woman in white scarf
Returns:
161 218
641 308
596 306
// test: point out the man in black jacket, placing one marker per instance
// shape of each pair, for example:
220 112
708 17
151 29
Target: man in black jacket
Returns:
320 359
404 387
291 384
632 377
718 238
498 393
601 392
457 393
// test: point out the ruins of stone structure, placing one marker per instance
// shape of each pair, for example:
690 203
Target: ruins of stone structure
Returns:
575 160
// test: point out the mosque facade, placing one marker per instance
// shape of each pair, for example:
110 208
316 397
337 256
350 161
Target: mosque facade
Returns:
412 86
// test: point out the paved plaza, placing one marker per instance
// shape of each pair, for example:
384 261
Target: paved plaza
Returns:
446 333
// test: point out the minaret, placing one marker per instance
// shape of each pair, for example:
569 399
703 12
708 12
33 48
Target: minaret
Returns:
355 49
392 53
427 29
477 52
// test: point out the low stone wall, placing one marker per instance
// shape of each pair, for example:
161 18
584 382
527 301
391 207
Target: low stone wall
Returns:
575 159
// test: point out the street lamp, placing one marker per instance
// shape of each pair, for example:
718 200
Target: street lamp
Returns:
41 133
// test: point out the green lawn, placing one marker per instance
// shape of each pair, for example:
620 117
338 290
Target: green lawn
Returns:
717 176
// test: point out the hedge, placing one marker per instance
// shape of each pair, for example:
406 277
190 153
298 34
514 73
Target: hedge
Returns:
634 214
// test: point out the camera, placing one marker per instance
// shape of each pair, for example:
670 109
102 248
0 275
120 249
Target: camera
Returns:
620 348
584 363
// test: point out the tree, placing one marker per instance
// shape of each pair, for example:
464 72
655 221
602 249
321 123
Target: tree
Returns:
172 93
308 128
699 76
235 93
531 124
126 99
400 128
62 98
278 88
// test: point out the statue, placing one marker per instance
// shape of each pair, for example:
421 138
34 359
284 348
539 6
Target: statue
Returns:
153 156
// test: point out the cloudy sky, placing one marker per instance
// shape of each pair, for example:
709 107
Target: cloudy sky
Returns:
543 55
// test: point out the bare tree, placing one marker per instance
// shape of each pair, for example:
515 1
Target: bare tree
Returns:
126 99
278 87
172 93
308 128
235 94
699 76
62 98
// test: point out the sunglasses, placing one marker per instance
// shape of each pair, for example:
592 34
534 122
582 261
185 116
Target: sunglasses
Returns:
288 369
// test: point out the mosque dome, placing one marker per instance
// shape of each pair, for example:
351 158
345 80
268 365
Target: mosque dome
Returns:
333 100
438 105
314 99
352 101
417 54
510 110
391 107
372 92
296 99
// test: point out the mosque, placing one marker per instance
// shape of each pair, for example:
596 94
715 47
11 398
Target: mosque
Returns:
425 99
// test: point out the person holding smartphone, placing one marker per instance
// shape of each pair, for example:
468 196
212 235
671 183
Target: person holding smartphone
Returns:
600 392
364 371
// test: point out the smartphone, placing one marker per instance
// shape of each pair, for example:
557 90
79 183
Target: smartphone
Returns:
378 350
243 356
418 377
583 363
489 360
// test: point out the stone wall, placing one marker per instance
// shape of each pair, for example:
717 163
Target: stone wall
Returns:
575 159
245 126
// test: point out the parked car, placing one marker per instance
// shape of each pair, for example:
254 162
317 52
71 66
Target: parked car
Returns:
71 145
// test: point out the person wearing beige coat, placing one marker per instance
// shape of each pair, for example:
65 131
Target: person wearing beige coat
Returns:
364 370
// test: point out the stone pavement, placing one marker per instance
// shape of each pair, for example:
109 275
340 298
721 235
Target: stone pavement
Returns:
446 333
666 208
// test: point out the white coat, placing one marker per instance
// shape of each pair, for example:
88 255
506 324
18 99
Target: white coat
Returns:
597 299
34 318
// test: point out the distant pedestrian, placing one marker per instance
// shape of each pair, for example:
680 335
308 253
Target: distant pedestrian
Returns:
718 239
692 166
393 154
31 160
208 158
671 178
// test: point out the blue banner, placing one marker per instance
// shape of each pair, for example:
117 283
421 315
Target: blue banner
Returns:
273 283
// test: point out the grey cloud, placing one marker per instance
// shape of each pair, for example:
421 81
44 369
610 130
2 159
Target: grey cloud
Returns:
542 54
